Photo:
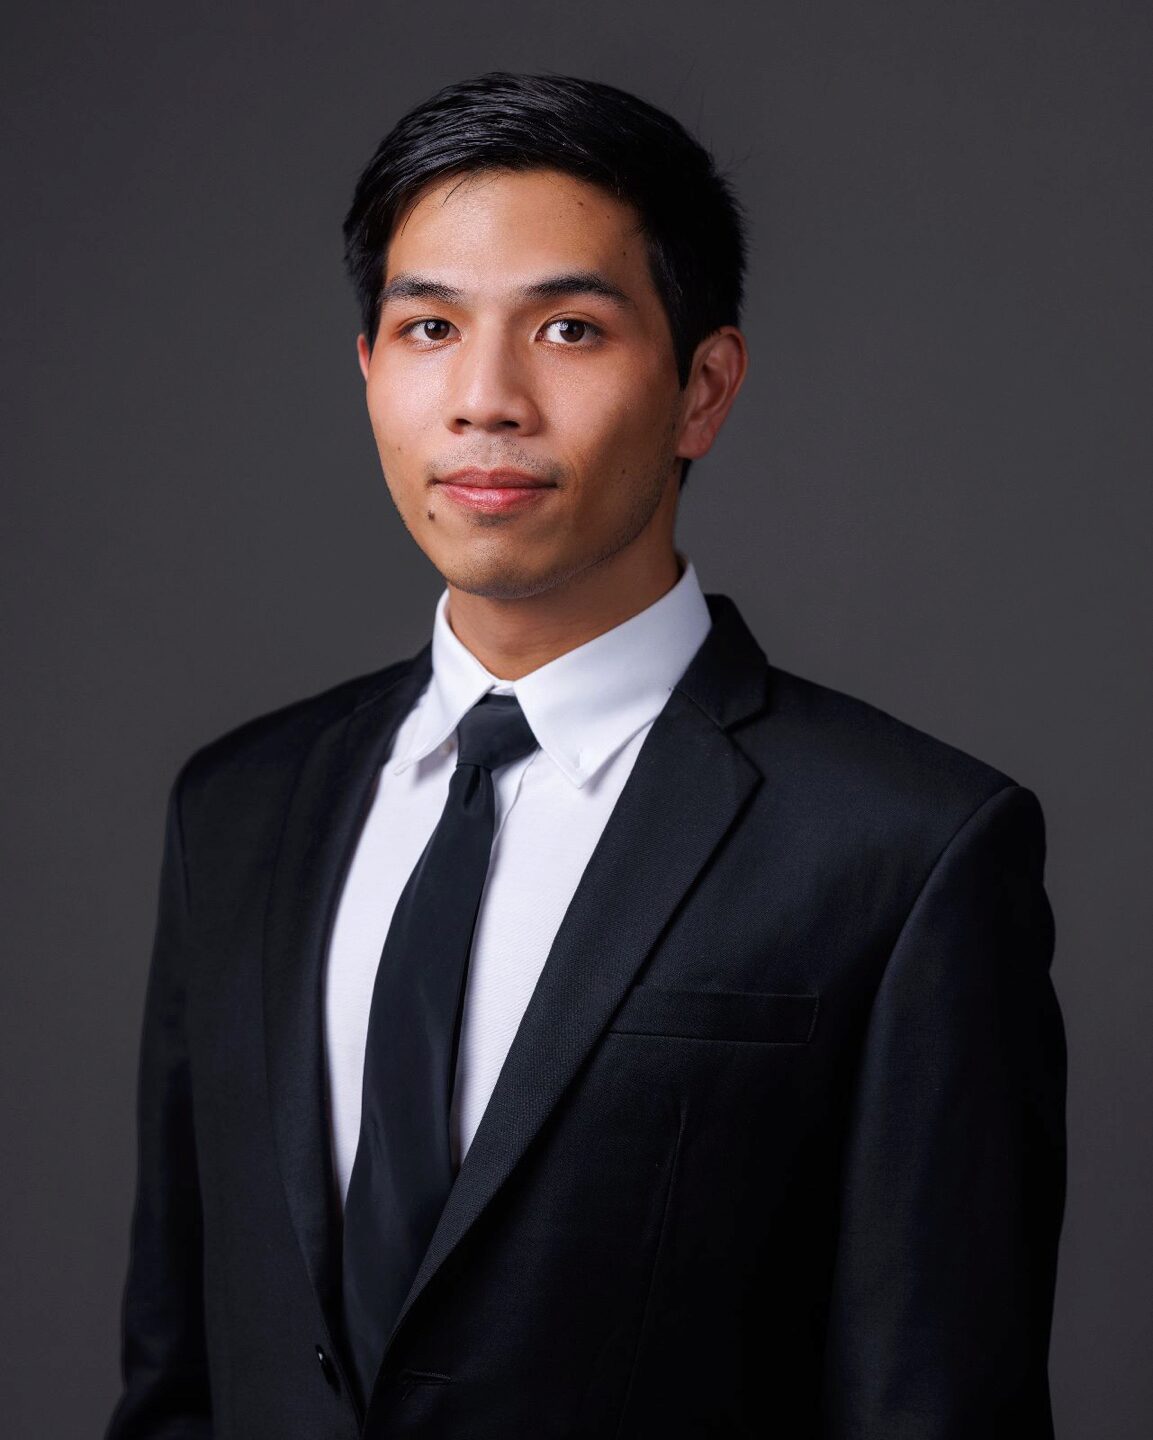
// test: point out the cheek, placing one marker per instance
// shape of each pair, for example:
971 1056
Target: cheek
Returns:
399 406
615 416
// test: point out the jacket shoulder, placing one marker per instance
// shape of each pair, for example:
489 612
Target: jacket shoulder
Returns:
851 757
272 744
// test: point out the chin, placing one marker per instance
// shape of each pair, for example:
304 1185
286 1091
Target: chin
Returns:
503 579
498 585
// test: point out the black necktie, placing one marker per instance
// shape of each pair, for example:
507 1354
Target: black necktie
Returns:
402 1172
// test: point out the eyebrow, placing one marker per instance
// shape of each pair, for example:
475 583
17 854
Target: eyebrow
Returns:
406 286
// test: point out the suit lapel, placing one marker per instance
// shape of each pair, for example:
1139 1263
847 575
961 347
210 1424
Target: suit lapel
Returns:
328 805
688 786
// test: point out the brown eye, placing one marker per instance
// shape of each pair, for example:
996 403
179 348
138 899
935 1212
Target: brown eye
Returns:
434 329
570 332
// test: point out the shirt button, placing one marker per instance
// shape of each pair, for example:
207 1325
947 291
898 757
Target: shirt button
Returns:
328 1369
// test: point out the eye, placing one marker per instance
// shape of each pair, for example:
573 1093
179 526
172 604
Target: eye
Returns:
431 329
572 332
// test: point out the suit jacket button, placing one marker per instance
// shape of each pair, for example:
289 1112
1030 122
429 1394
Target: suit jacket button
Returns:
328 1369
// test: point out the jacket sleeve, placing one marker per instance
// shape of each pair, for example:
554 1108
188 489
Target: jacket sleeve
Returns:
953 1183
165 1379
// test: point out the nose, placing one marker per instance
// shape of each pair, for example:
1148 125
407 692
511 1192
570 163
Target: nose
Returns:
490 389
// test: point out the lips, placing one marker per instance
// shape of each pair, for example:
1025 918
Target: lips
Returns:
474 479
494 492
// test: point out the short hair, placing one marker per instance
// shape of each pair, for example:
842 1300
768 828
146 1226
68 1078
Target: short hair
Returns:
689 215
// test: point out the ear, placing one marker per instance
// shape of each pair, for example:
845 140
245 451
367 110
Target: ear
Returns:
717 373
363 354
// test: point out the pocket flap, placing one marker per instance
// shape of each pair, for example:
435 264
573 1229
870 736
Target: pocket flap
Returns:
717 1015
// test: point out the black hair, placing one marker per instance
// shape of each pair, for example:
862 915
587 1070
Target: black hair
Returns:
690 217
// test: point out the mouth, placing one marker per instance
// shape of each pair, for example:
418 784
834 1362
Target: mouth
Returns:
494 491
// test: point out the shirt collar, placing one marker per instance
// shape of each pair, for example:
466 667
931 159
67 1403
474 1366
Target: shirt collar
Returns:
587 703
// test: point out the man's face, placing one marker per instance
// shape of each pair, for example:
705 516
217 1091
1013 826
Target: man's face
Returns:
521 331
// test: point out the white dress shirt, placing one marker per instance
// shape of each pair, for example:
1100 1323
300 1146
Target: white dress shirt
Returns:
590 710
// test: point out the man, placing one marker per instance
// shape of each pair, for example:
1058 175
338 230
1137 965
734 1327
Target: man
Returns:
585 1027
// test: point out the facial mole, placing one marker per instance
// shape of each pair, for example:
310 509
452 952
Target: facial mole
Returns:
431 514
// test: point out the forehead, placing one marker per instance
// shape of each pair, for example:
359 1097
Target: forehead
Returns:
517 222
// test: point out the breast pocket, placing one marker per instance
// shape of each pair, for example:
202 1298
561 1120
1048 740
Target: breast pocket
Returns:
738 1015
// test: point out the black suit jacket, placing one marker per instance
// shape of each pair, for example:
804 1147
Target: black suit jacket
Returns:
778 1149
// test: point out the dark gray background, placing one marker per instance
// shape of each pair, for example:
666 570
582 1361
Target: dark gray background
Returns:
933 492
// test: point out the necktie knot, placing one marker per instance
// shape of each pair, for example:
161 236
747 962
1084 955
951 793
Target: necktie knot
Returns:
494 733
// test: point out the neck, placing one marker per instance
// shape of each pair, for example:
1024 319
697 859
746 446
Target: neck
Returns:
510 638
